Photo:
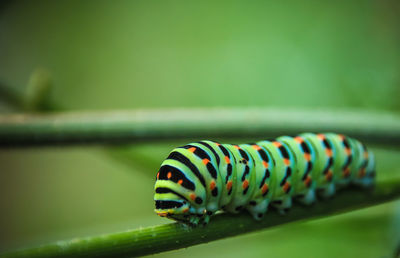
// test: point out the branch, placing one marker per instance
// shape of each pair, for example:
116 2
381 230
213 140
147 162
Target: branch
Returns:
145 125
173 236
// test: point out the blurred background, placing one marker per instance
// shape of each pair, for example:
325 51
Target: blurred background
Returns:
104 55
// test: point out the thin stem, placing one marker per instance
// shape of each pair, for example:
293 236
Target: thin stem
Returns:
37 97
173 236
145 125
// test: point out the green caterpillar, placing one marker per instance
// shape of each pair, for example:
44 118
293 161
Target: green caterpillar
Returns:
198 179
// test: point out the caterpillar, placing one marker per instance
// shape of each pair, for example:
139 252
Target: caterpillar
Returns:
199 179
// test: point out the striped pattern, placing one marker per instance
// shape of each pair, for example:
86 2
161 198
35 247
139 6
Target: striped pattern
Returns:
198 179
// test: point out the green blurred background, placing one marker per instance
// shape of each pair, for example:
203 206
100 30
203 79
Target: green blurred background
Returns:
105 55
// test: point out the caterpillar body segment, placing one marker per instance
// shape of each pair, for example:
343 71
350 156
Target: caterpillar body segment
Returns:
364 172
282 176
305 157
199 179
262 193
227 170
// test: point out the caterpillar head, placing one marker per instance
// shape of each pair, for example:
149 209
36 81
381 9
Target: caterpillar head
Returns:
170 191
176 195
179 210
175 209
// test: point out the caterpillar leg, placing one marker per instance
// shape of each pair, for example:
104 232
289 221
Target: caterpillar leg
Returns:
205 219
308 197
327 191
194 220
365 182
283 205
258 208
199 219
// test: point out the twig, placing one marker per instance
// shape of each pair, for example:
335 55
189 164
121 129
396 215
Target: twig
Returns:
174 236
145 125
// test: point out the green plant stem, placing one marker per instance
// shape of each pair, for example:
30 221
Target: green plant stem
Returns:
173 236
124 126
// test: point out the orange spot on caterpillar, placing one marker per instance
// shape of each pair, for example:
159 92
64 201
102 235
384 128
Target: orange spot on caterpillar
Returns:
346 172
328 176
286 161
227 160
307 181
236 146
265 164
245 184
298 139
361 173
162 214
256 147
169 175
264 189
366 154
158 175
286 187
185 210
229 185
192 149
192 196
180 181
321 136
277 144
341 136
328 152
307 156
212 185
348 151
205 161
